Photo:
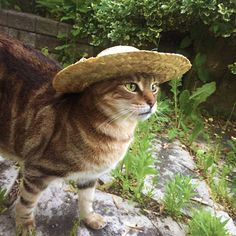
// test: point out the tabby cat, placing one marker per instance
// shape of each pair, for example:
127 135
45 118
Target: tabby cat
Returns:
55 135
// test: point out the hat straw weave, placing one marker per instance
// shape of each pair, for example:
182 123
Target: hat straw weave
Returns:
120 61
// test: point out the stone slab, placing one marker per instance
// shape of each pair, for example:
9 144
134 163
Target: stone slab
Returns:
172 158
57 212
4 30
3 17
8 174
21 21
46 41
57 208
27 38
46 26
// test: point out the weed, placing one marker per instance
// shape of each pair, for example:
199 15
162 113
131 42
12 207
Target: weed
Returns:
45 51
2 200
231 155
177 196
74 229
162 117
205 160
137 165
73 186
221 191
186 107
204 223
172 133
232 68
21 231
189 108
175 84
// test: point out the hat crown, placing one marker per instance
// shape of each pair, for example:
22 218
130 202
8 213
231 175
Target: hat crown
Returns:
117 49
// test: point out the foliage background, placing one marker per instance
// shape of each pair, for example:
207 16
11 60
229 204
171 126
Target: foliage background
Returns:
203 30
136 22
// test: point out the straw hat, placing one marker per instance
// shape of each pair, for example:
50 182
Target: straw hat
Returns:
117 62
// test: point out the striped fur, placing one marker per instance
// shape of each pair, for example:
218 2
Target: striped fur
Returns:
63 135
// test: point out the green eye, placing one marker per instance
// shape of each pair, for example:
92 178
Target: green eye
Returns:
132 87
154 88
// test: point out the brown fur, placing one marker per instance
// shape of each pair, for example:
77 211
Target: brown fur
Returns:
54 134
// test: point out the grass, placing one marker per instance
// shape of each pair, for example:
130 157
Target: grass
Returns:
138 164
205 161
23 232
178 194
205 224
216 168
212 165
2 200
221 191
129 176
74 229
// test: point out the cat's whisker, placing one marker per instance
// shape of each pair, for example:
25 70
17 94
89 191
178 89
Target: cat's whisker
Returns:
114 118
131 114
121 115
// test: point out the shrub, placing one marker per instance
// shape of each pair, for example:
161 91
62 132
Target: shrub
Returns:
141 22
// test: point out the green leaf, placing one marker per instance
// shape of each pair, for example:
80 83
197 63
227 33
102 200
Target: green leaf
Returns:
199 66
175 84
186 42
196 131
201 94
184 102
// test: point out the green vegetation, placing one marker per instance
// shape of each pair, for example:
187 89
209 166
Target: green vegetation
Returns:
232 68
178 120
143 24
215 167
186 107
20 231
178 194
140 22
2 200
205 161
74 229
129 176
204 223
221 190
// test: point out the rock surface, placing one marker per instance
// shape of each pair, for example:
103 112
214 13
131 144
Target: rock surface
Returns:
57 212
8 174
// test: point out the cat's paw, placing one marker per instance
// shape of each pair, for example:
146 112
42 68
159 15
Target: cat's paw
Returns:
95 221
26 228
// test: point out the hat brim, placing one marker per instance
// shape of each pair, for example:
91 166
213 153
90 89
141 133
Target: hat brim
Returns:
78 76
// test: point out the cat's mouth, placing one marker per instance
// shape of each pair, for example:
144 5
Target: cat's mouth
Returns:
145 113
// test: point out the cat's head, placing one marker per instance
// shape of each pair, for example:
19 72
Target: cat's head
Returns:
130 98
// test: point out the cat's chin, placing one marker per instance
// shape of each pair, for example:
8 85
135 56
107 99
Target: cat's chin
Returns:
143 116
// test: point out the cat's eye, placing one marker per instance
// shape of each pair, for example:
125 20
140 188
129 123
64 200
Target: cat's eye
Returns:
132 87
154 88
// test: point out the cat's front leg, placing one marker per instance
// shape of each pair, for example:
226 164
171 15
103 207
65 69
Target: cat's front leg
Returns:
86 197
30 190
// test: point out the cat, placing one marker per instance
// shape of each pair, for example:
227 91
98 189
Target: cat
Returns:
55 135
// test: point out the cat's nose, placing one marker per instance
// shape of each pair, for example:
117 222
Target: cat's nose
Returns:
151 102
150 99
